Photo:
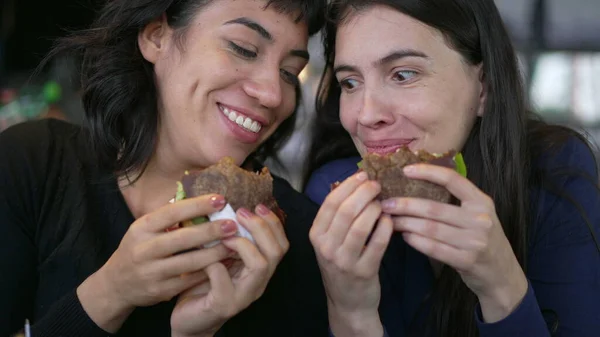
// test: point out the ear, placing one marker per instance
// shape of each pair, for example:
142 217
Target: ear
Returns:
152 39
482 91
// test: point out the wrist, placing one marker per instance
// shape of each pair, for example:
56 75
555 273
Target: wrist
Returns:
101 304
354 323
500 302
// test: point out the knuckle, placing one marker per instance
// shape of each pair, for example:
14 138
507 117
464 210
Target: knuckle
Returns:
489 202
285 246
485 221
431 229
327 252
359 234
433 209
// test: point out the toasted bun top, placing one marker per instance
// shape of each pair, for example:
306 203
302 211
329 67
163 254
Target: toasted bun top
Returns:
388 171
241 188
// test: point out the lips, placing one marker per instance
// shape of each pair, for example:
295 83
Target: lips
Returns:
241 119
386 146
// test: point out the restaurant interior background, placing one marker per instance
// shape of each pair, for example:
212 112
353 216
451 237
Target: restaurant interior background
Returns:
558 43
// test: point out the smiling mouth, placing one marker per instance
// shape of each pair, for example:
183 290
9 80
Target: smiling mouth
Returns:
237 117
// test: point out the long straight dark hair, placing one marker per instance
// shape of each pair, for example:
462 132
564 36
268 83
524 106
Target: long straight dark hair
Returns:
499 149
119 90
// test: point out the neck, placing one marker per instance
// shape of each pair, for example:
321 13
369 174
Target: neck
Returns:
155 186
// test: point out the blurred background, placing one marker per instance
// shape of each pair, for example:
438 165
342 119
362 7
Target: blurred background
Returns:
558 43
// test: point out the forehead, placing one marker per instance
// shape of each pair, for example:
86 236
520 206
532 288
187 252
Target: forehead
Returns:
371 32
282 25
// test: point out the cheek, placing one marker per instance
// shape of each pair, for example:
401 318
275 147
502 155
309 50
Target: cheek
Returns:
348 115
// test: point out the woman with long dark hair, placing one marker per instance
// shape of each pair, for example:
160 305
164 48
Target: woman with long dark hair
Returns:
517 253
168 86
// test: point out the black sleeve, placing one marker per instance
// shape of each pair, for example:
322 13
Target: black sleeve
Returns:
25 157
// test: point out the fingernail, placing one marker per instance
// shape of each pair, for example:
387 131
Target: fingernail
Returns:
229 227
218 201
262 210
362 176
409 169
388 204
244 213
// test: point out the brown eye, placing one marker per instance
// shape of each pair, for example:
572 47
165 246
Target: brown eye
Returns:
348 84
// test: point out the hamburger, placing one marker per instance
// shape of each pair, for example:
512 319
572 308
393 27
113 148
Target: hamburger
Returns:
388 171
241 189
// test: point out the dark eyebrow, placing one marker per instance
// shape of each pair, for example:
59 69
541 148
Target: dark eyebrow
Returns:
252 25
399 54
391 57
300 53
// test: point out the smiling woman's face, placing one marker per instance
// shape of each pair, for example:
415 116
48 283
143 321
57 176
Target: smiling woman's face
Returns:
230 84
402 84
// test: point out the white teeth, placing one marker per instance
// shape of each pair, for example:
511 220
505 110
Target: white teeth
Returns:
240 120
255 127
245 122
232 116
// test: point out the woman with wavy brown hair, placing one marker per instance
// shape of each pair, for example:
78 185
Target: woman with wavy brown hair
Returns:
168 86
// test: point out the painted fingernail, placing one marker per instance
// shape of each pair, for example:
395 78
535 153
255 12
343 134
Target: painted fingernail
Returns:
262 210
229 227
388 204
244 213
362 176
217 201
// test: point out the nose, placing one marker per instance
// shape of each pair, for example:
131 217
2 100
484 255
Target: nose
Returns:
265 87
376 110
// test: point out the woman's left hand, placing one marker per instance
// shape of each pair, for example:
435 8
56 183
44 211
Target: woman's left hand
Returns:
469 238
233 286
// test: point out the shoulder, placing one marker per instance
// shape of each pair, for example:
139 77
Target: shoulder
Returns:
565 197
36 140
574 155
37 158
319 183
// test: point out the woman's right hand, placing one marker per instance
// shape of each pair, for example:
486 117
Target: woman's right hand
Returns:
349 248
149 267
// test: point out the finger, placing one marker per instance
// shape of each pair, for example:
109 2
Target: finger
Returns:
181 283
456 258
249 254
452 236
222 288
192 261
429 209
167 244
370 260
350 209
333 201
457 185
275 225
257 270
261 232
361 229
186 209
